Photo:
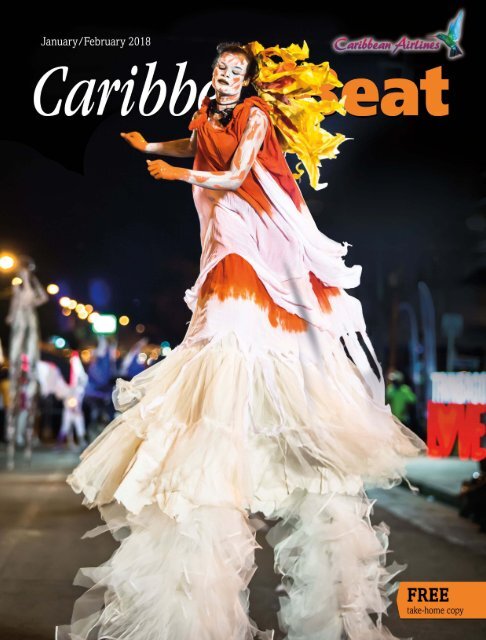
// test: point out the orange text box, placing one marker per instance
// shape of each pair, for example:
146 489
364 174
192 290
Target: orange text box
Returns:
442 600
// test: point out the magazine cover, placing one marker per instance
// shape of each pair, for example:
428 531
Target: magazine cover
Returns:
242 328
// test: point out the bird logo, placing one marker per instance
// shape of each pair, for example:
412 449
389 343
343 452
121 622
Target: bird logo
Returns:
452 37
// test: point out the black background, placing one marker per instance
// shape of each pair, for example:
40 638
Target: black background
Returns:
406 192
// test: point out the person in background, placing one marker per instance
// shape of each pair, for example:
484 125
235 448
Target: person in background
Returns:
4 396
400 397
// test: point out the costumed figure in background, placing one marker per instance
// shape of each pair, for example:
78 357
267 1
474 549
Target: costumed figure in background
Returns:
131 364
23 357
400 396
72 414
51 381
3 391
102 371
272 404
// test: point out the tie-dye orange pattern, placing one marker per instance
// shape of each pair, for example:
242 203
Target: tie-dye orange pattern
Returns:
234 277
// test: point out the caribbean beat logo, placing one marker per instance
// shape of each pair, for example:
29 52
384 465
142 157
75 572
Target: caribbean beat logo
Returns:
401 97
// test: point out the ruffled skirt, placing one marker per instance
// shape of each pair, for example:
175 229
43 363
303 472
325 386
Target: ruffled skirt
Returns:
254 413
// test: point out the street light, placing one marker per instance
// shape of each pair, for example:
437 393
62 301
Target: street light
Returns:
104 324
7 261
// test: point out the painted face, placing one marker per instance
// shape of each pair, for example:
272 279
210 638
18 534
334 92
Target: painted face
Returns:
229 74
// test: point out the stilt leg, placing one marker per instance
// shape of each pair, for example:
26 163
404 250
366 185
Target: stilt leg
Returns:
170 579
333 565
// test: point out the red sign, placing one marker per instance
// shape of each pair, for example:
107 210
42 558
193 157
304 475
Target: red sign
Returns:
448 423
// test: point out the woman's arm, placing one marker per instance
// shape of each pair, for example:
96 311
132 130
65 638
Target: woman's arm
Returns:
230 180
183 148
175 148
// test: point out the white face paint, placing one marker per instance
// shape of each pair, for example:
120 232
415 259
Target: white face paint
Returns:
229 76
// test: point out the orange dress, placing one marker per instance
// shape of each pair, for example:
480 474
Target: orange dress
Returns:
268 406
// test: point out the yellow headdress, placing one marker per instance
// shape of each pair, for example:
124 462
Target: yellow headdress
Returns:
290 87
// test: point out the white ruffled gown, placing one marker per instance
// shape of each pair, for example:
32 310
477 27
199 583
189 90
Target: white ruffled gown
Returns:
258 410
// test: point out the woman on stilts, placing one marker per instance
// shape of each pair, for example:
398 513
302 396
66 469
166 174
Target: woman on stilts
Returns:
272 404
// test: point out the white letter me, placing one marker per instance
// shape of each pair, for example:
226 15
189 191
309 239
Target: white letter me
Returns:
38 92
147 88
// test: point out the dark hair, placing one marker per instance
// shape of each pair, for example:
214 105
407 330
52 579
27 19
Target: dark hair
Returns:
237 47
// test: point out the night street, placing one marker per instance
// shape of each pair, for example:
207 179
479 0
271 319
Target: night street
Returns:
242 272
41 550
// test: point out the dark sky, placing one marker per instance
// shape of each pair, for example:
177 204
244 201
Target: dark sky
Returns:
77 199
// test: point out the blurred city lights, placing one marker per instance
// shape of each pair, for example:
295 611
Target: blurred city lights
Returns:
104 323
7 261
85 356
58 342
165 348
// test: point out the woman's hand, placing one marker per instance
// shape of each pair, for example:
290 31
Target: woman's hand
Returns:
136 140
161 170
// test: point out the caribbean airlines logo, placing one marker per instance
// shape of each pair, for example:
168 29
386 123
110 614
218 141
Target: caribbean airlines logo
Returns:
452 37
431 42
